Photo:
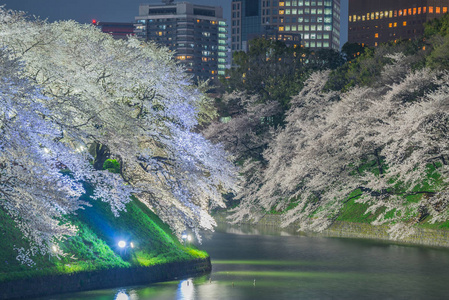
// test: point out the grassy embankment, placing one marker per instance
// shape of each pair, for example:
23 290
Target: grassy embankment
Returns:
95 247
353 211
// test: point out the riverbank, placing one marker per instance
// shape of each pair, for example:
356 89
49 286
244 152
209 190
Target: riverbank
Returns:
93 259
343 229
50 285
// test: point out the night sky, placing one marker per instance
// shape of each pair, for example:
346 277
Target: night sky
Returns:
84 11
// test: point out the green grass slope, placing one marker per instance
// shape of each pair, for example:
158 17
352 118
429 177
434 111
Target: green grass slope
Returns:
96 245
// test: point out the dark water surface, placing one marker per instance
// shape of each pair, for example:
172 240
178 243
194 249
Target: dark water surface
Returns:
252 264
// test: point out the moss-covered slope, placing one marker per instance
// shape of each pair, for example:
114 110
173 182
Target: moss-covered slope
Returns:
96 245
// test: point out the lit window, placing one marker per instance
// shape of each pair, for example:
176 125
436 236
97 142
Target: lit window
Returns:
404 23
409 11
281 12
414 10
424 9
281 28
390 25
376 35
281 3
395 24
419 10
430 9
444 10
438 10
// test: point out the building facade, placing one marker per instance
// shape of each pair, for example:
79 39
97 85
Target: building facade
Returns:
315 23
374 22
196 33
116 29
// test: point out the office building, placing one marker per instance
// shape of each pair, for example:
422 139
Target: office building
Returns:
375 22
196 33
315 23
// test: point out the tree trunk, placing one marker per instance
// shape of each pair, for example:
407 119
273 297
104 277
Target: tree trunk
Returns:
100 153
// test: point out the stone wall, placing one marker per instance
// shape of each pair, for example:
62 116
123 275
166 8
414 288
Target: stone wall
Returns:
422 236
83 281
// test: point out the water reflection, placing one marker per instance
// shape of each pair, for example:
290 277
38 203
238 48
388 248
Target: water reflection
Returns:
246 229
286 265
121 295
186 290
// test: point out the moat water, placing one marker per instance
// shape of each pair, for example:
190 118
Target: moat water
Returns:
251 263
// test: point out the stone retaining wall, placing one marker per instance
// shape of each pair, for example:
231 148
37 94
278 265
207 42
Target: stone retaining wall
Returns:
48 285
422 236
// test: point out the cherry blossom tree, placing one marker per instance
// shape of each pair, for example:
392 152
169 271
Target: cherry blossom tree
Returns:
125 100
378 142
32 188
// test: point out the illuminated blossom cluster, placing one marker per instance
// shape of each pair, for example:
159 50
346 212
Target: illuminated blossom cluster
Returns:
67 92
377 144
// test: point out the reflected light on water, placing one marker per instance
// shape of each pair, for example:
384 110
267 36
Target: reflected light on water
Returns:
186 290
121 296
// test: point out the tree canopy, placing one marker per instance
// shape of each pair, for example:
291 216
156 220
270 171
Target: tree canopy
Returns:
73 97
379 143
372 131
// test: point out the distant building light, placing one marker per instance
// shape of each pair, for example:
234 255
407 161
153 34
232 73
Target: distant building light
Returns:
122 244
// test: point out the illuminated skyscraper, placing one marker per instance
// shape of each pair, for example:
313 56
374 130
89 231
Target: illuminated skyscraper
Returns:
375 22
197 34
315 23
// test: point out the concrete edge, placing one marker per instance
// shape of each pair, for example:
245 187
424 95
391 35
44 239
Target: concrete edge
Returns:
83 281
